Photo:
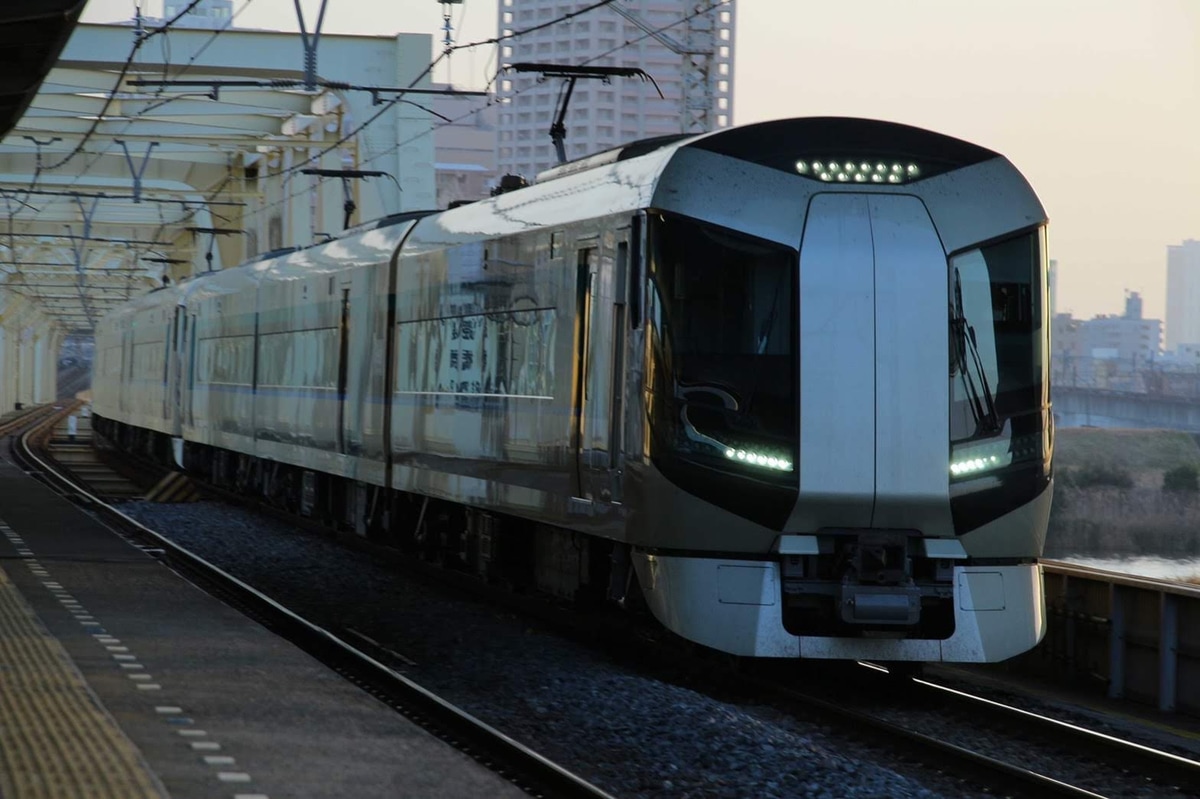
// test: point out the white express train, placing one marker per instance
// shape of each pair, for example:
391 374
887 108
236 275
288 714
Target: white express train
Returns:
787 382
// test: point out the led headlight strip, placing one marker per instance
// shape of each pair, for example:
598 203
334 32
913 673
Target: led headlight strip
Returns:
858 171
976 458
972 465
758 458
734 453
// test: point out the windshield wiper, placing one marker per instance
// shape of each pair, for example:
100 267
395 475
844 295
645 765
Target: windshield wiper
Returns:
983 406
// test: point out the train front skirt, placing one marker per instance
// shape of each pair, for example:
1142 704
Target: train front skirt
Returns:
735 606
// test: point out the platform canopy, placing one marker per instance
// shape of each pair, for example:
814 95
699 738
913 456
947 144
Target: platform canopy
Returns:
125 162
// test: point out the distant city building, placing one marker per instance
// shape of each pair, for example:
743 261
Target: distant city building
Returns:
1136 340
603 115
464 150
1133 305
211 14
1064 335
1110 352
1183 294
208 14
1184 356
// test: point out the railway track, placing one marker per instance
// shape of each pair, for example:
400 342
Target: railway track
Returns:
906 717
106 477
1121 768
35 451
13 421
914 714
1165 771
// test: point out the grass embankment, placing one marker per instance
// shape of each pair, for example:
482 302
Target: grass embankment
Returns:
1138 518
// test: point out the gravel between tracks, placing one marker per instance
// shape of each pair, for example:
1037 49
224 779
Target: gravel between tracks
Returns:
632 735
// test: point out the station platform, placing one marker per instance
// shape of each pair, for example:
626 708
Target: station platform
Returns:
118 678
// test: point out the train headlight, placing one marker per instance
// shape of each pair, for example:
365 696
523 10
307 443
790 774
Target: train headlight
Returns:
759 459
749 455
836 170
976 458
973 459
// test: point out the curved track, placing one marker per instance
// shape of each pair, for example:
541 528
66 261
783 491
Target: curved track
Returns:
907 717
524 767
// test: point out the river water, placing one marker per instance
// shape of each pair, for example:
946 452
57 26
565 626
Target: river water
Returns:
1160 568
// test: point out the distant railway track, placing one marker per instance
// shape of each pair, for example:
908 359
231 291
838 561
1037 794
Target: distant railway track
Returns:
524 767
14 421
107 477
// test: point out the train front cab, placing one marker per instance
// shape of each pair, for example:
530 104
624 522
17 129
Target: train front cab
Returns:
877 401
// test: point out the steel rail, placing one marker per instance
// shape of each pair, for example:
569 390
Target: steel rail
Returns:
24 418
526 768
966 764
1000 776
1160 767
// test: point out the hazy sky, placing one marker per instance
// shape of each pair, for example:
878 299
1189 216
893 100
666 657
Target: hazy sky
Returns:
1096 101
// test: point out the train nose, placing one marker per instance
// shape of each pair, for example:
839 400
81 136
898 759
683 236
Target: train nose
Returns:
874 379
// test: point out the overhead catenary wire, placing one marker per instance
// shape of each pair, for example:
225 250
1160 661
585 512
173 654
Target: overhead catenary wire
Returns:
393 148
294 167
585 62
205 193
164 101
137 45
301 164
432 64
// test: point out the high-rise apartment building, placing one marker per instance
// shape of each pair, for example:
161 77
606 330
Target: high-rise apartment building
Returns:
464 150
1183 294
647 34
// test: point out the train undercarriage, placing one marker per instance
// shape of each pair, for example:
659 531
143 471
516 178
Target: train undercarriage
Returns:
518 553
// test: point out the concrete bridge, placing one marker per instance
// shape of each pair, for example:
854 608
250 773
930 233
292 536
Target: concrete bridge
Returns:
1089 407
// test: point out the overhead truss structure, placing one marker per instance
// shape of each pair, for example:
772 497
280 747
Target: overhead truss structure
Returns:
157 164
102 180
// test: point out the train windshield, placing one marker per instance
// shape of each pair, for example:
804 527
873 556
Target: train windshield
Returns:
721 312
999 345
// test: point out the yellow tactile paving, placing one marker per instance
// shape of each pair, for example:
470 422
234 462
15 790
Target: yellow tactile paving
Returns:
56 741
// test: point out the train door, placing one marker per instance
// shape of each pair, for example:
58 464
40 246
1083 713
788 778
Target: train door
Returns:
127 392
164 410
343 369
586 262
603 275
189 367
911 391
175 389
